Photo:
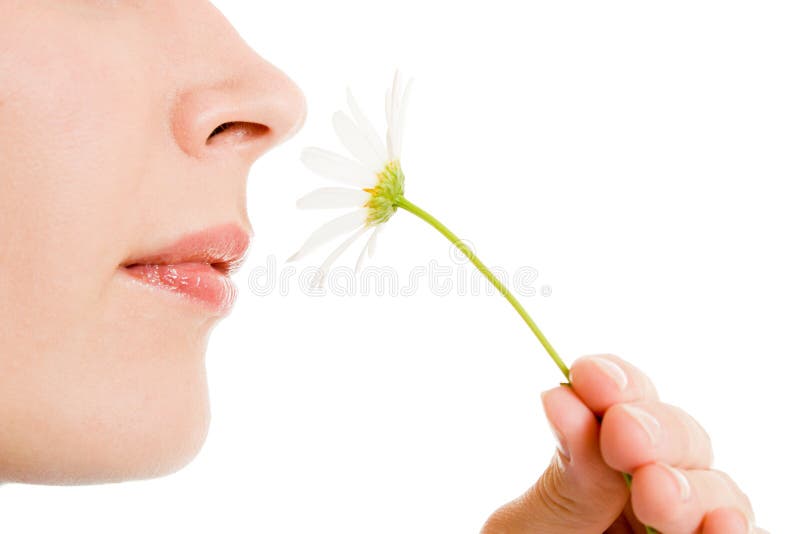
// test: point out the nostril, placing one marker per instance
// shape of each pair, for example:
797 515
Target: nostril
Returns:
237 130
221 128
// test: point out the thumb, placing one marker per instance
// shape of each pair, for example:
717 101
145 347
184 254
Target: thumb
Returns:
578 492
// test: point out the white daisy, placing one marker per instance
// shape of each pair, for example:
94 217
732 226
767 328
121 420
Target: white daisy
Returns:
375 178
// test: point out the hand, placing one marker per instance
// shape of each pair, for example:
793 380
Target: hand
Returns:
668 453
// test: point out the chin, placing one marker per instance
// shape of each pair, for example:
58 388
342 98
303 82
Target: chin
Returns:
143 419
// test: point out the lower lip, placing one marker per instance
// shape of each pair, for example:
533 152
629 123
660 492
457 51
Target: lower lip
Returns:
198 281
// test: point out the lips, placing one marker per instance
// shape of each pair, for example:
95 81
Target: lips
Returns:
197 266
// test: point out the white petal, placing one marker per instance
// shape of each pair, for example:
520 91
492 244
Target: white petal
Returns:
333 197
323 269
373 240
367 246
395 104
395 98
366 127
401 121
337 168
389 118
331 229
396 91
356 142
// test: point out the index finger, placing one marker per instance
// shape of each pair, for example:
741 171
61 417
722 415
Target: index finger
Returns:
603 380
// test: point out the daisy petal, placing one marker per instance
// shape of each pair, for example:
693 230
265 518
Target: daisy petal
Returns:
323 269
336 167
366 127
356 142
368 245
389 117
396 85
331 229
401 120
333 197
372 240
395 105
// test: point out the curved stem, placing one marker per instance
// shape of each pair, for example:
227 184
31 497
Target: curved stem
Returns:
404 203
410 207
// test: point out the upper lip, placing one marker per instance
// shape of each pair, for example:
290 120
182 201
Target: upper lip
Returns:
222 247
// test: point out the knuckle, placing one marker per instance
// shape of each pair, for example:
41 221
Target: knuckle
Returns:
725 478
498 523
705 440
742 497
698 439
546 494
543 502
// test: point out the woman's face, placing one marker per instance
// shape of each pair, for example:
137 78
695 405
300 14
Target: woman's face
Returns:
119 215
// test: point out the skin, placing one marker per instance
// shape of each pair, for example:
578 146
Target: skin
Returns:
582 491
106 111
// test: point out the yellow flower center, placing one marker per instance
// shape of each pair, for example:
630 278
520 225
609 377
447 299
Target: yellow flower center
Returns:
390 187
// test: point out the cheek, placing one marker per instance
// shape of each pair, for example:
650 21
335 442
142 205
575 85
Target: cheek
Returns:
71 170
92 387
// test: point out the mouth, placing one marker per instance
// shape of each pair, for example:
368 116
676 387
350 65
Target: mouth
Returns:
196 267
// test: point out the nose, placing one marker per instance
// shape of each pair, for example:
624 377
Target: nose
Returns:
246 108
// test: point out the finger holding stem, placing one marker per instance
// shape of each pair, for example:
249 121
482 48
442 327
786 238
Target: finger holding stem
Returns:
404 203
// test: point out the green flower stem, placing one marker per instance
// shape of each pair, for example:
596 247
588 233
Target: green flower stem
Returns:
402 202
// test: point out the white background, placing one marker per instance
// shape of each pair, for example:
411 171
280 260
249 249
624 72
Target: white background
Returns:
641 156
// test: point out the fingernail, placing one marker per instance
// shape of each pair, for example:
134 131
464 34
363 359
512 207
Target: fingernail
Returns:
561 443
646 421
560 463
680 479
611 370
